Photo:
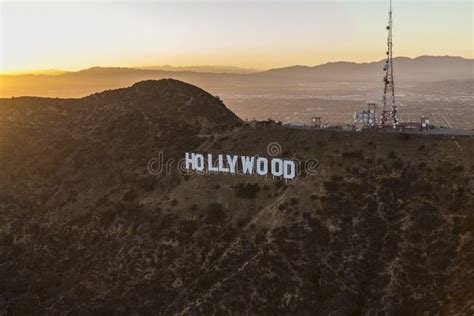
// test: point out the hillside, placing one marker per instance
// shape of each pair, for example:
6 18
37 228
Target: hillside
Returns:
167 101
382 225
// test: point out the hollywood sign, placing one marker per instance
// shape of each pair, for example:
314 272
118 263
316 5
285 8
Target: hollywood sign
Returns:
234 164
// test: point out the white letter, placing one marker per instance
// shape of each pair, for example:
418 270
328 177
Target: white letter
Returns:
232 162
198 162
289 168
247 164
221 164
189 161
209 163
262 171
277 167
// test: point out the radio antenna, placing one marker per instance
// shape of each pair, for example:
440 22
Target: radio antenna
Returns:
389 87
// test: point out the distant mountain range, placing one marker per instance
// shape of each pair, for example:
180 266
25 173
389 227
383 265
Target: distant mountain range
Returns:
73 84
209 69
424 68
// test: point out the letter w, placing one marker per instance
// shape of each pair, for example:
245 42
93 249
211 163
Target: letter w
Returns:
247 164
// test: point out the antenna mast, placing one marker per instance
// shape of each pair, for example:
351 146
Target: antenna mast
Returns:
389 89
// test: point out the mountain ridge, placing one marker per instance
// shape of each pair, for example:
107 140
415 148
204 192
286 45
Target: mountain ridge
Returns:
201 68
81 83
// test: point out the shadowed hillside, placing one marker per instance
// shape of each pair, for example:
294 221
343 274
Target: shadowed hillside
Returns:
382 225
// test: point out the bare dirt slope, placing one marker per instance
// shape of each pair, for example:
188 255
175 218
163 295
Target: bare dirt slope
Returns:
383 224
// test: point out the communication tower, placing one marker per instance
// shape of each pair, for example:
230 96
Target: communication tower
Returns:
390 108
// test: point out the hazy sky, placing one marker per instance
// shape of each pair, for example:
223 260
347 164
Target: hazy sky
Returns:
258 34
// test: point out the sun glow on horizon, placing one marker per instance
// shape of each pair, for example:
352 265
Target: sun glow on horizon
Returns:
257 35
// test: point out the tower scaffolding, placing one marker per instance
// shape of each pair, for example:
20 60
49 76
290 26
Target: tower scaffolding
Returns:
389 87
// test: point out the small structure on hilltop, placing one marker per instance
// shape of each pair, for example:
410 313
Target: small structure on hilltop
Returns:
316 122
425 124
366 119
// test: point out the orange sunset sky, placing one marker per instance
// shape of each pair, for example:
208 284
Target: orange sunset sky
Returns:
72 35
